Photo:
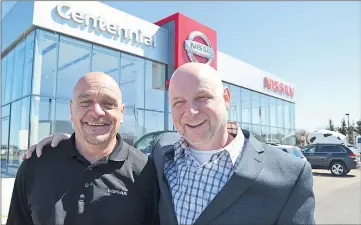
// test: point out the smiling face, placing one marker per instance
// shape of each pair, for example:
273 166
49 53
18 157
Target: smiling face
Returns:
96 109
199 105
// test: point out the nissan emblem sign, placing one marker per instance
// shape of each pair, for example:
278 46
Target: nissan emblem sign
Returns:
196 48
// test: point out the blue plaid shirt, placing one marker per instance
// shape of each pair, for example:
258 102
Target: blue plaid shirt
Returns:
194 186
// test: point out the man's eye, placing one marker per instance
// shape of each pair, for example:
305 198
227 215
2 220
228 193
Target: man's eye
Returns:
85 103
179 103
203 98
109 105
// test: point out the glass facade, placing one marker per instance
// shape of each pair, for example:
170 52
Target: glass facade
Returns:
39 74
269 119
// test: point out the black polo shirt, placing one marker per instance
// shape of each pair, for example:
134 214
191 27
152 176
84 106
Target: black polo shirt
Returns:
62 187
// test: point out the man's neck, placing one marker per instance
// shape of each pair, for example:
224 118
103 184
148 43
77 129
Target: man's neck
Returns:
93 153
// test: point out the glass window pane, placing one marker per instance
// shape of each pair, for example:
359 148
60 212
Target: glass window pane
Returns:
292 115
273 105
287 114
9 76
28 63
3 78
133 125
42 114
62 123
256 131
256 107
265 110
235 110
74 63
154 121
290 137
154 85
280 135
132 81
266 134
280 113
246 106
5 125
19 133
274 135
18 71
45 64
106 61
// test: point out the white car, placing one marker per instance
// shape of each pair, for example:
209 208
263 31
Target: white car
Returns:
293 150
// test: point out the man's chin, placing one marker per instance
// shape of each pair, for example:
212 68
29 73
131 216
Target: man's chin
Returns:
97 140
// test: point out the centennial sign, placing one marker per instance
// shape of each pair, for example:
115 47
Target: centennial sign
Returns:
68 13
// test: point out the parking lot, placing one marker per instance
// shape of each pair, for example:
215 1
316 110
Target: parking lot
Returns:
338 199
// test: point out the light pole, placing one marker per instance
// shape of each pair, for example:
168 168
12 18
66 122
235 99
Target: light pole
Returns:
348 127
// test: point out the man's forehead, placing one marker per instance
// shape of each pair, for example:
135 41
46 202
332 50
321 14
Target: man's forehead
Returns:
97 90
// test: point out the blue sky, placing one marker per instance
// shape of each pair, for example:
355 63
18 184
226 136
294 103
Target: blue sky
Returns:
315 45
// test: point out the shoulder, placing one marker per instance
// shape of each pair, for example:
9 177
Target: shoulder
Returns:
284 164
139 161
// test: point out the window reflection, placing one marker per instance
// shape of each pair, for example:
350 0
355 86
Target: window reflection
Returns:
106 61
28 63
42 115
154 85
256 108
287 114
9 76
17 86
235 110
273 111
280 113
46 50
132 81
74 62
256 131
3 78
133 125
265 110
246 106
5 125
154 121
266 134
62 123
19 133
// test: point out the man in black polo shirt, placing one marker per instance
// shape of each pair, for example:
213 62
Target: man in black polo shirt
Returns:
94 177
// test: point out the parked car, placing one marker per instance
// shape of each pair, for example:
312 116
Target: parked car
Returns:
293 150
147 143
338 158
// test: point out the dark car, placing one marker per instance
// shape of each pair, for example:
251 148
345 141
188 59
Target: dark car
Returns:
147 142
293 150
337 158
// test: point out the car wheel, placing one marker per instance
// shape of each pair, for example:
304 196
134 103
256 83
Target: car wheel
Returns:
347 171
338 169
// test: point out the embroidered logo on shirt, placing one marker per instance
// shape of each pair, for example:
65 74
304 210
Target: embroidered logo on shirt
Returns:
117 192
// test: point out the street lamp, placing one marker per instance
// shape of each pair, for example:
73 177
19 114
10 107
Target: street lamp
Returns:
348 119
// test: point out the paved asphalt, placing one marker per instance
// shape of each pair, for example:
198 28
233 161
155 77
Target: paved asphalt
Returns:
338 199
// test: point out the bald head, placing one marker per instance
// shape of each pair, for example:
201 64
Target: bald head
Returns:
198 72
99 79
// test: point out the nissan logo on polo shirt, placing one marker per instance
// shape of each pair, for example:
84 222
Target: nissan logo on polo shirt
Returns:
196 48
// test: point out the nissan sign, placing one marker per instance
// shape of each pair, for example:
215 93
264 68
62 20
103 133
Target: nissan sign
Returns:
196 48
279 87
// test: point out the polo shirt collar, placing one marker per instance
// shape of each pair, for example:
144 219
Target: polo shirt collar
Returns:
119 153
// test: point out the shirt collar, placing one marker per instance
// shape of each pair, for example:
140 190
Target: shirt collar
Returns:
234 148
119 153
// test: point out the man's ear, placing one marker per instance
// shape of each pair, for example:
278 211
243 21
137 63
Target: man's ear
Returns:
227 97
71 109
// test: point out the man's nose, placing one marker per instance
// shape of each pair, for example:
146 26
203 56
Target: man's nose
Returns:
192 109
97 110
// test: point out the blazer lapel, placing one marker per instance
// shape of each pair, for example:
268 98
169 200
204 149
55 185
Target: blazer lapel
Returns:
247 171
165 194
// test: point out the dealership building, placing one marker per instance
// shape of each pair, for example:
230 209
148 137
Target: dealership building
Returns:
48 45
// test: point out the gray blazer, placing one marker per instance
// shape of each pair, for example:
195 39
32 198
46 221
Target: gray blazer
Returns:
268 187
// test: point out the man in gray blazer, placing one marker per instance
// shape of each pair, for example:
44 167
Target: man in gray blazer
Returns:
217 173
